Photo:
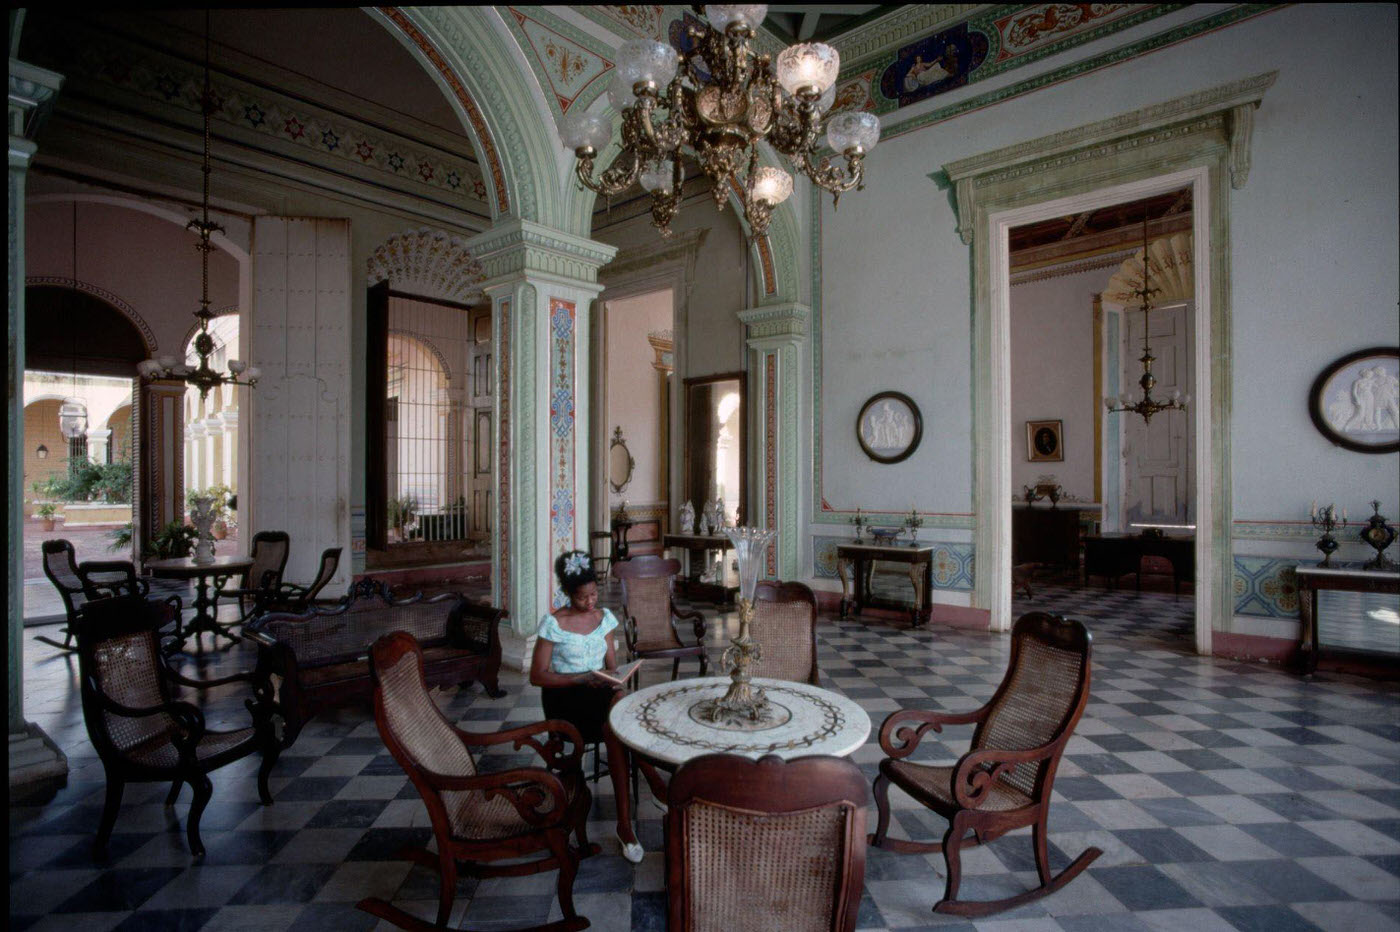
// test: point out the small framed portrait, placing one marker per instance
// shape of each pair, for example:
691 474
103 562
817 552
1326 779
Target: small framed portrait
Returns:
1355 402
889 427
1045 441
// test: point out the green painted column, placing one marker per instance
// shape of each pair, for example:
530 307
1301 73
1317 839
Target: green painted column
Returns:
778 354
541 283
33 757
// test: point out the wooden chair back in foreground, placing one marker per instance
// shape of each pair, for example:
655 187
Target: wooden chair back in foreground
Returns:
78 583
1004 780
785 627
478 818
140 733
753 846
649 613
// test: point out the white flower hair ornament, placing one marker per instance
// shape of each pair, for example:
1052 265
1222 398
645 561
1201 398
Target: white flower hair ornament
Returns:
576 562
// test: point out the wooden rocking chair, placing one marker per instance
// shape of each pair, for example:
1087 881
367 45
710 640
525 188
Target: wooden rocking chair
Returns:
1004 781
479 818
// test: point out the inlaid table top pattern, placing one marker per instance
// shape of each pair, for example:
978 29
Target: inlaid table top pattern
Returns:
658 723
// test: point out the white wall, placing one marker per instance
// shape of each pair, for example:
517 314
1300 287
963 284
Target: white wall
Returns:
1313 246
633 391
1052 376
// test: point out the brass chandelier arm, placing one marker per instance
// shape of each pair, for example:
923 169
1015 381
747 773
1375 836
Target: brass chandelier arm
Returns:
615 179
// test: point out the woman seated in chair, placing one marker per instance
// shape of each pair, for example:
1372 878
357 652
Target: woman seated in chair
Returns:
572 643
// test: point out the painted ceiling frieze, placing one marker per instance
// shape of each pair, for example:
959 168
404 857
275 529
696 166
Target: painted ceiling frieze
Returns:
429 263
561 56
291 122
986 44
647 21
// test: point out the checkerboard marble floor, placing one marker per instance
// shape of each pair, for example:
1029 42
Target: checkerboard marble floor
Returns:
1224 796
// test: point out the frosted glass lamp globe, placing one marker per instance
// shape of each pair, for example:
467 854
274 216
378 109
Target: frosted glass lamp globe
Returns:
583 130
771 185
848 131
743 15
646 60
808 68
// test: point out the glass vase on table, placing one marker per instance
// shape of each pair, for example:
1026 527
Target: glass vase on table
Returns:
742 703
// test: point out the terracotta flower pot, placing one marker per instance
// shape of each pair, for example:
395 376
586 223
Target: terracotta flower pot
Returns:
219 529
46 524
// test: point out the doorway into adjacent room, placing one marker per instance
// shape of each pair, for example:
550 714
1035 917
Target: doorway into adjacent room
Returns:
1106 498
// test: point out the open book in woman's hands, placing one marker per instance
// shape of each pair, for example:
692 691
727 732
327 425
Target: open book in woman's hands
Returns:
621 675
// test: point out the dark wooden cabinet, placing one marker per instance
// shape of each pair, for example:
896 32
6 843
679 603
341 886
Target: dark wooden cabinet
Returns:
1114 555
1045 535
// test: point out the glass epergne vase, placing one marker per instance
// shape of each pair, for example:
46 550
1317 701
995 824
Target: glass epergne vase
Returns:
742 702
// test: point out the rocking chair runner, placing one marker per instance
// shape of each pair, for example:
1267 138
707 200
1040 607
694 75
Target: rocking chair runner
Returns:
649 613
479 818
1004 781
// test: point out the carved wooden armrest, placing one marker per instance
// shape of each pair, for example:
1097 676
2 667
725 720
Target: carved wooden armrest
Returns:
244 676
551 751
898 739
187 716
978 771
697 620
528 789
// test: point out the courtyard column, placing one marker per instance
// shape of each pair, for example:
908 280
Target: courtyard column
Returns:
777 342
37 767
541 283
227 464
162 436
97 441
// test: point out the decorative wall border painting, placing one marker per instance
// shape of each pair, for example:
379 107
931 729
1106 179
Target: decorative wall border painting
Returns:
1355 402
1045 441
889 427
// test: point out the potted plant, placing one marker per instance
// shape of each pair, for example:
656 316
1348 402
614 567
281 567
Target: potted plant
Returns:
45 513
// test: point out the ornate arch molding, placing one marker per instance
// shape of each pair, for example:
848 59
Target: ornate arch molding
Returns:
1203 140
428 345
428 263
147 335
488 82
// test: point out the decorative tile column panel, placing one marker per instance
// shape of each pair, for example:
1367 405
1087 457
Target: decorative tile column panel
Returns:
541 283
37 766
777 341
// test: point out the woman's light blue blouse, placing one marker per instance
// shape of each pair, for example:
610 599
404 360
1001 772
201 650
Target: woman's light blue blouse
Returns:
577 653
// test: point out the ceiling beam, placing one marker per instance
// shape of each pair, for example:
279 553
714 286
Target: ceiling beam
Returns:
808 27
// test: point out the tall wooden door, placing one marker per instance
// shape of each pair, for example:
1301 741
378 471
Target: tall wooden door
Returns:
1157 456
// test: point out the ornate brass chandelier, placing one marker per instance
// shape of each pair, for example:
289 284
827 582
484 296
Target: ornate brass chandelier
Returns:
1146 405
721 99
203 376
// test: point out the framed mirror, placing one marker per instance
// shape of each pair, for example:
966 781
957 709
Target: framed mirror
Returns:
620 462
716 444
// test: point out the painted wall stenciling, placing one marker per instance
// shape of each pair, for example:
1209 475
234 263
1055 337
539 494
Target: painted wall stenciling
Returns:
770 453
983 46
952 561
560 56
483 134
427 263
244 105
562 419
1059 75
502 329
1266 586
645 20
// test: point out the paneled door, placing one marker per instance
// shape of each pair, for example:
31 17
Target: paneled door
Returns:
1157 456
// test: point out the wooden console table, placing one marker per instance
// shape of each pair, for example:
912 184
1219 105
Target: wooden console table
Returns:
1312 579
692 586
1112 555
861 558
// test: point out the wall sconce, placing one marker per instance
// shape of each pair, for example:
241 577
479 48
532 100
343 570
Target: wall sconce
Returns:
42 452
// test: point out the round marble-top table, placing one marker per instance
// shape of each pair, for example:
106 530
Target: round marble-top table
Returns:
658 722
221 569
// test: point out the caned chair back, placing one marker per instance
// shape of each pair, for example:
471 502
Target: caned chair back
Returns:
119 656
61 567
1042 696
418 735
785 626
646 598
269 552
753 846
330 561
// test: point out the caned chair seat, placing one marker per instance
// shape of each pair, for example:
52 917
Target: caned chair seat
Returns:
492 819
160 751
937 783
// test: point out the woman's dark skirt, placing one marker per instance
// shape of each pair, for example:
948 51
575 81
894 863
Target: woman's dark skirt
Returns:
584 707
